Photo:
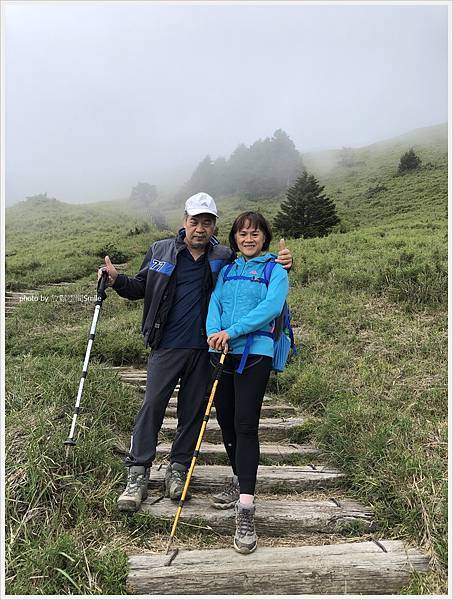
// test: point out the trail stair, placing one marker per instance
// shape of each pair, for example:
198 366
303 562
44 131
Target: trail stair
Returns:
350 568
297 496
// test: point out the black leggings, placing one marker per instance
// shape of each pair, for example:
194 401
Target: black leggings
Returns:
238 403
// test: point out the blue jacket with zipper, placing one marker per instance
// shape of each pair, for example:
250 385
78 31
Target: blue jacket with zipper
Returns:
242 306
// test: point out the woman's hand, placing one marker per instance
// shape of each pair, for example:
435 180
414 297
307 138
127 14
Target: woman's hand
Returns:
284 257
218 341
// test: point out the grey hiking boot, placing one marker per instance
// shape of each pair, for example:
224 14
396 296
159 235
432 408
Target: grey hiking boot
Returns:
228 497
175 478
136 489
245 537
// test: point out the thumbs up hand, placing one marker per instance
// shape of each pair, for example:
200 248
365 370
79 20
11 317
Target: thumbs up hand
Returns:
113 273
284 255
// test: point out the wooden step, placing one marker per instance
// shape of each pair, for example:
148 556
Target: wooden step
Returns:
338 569
270 453
128 368
270 430
59 284
211 478
274 518
267 410
138 378
18 295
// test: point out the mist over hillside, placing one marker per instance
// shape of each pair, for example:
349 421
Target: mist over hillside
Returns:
322 163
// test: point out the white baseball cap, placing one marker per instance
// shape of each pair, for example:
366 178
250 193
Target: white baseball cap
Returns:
200 203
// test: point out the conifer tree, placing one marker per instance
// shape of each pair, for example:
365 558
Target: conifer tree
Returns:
307 212
409 161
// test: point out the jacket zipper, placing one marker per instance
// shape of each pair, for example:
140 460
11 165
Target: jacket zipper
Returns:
236 293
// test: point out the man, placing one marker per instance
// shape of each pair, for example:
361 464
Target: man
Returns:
175 279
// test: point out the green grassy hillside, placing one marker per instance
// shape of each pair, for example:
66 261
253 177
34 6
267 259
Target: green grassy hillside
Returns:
48 241
371 193
370 308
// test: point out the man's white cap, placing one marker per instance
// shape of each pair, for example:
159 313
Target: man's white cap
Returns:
200 203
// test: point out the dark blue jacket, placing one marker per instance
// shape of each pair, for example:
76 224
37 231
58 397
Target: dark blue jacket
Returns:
155 282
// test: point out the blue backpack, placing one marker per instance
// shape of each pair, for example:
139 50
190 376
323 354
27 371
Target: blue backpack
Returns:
282 333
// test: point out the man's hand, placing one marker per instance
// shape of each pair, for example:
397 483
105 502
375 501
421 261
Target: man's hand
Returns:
218 341
113 273
284 255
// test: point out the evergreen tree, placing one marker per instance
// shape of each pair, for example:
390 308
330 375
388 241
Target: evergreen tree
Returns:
409 161
143 195
142 199
261 170
202 178
307 212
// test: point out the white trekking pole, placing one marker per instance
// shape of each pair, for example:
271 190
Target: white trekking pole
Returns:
101 295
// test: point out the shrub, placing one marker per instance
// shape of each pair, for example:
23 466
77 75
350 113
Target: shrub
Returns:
409 161
116 255
373 191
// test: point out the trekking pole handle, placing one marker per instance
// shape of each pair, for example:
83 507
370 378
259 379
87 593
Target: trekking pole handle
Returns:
102 285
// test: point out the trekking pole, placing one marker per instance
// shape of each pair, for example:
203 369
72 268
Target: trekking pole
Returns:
216 377
101 295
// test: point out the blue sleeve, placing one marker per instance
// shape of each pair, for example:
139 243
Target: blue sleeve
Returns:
268 309
213 320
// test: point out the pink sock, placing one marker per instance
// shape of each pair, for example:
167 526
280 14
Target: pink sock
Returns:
246 499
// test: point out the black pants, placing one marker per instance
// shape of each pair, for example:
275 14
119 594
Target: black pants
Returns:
165 367
238 403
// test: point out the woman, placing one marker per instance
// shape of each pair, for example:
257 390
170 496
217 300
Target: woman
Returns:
248 296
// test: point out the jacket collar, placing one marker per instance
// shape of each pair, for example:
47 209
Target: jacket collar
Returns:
262 258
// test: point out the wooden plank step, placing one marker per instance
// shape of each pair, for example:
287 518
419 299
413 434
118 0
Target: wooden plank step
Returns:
174 397
211 478
274 518
338 569
274 410
140 381
130 372
14 295
270 430
124 368
270 453
267 401
59 284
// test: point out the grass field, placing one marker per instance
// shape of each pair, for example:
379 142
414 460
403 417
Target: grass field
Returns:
370 307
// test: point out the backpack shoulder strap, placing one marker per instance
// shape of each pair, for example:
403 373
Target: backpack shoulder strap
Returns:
227 271
268 270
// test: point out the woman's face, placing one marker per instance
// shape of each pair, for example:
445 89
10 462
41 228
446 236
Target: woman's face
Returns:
250 241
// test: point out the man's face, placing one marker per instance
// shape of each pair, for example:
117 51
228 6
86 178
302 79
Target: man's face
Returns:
199 230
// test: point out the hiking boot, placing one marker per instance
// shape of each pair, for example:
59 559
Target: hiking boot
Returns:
175 478
228 497
245 536
136 489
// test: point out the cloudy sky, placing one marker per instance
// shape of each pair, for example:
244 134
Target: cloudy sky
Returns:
101 95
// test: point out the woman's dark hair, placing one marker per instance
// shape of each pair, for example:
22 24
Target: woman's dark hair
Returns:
250 219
